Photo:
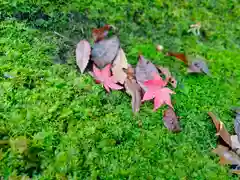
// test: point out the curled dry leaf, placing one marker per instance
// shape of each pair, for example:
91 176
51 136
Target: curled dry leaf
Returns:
171 120
133 89
198 66
235 142
105 51
104 77
100 33
83 52
168 77
180 56
144 71
119 64
221 130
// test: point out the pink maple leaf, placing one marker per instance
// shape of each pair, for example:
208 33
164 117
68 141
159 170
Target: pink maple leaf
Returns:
104 77
156 90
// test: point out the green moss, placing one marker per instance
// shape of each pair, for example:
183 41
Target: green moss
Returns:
76 130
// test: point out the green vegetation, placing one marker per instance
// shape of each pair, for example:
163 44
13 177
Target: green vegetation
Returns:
74 129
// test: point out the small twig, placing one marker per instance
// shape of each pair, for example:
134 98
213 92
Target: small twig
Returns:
64 37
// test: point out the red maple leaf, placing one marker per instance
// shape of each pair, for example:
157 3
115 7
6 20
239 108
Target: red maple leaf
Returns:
104 77
156 90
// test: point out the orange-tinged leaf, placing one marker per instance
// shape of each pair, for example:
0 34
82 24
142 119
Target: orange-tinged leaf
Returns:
119 64
83 52
180 56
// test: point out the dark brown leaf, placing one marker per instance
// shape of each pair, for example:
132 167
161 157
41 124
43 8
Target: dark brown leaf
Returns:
83 52
119 64
100 33
133 89
144 71
105 51
171 120
237 122
221 130
180 56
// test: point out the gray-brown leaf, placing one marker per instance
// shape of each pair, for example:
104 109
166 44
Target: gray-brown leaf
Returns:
133 89
119 64
144 71
169 78
83 52
105 51
171 120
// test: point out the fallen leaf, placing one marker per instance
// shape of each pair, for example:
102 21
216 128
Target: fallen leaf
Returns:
104 77
144 71
198 66
235 142
83 52
235 169
226 156
171 120
133 89
130 71
221 130
168 77
180 56
119 64
100 33
105 51
157 91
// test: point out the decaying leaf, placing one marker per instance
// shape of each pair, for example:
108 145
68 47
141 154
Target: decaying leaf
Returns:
133 89
221 130
104 77
100 33
119 64
226 156
105 51
198 66
168 77
180 56
144 71
171 120
83 52
156 90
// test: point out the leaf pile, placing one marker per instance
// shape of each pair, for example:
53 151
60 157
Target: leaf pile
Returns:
144 82
228 148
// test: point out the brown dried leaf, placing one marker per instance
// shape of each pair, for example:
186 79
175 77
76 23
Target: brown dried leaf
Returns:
119 64
133 89
144 71
169 78
105 51
171 120
221 130
83 52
